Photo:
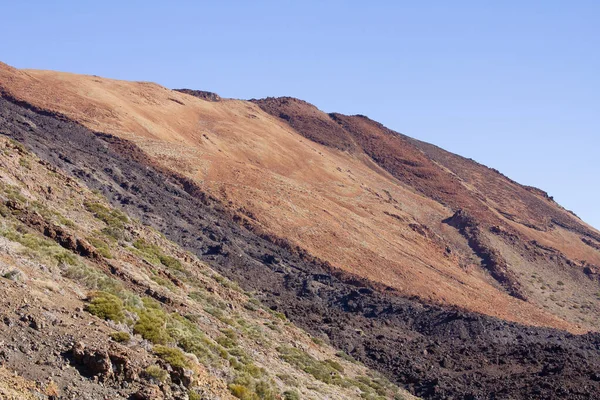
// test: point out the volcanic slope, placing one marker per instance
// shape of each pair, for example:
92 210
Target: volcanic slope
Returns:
350 192
436 352
95 305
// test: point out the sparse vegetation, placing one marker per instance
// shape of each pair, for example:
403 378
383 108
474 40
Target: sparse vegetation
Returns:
120 337
154 255
25 163
101 247
229 354
291 395
40 247
151 325
164 282
194 395
321 370
171 355
111 217
92 278
346 357
156 374
106 306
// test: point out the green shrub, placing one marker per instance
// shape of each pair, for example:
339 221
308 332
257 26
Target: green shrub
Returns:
64 257
194 395
12 192
25 163
291 395
264 391
228 340
151 325
101 247
171 355
113 233
247 388
65 221
156 374
164 282
92 278
120 337
254 371
111 217
106 306
170 262
242 392
320 370
154 255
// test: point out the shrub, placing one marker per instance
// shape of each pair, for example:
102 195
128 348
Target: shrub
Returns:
171 355
170 262
156 374
242 392
92 278
101 247
111 217
154 255
17 146
151 325
106 306
245 387
164 282
321 370
335 365
194 395
120 337
291 395
228 340
65 221
25 163
254 371
264 390
64 257
13 275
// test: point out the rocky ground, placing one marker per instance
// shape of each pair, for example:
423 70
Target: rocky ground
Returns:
436 352
96 305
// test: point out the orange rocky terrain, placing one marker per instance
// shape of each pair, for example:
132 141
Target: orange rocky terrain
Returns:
345 189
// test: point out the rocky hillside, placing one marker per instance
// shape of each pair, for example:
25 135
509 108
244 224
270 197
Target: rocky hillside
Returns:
97 305
440 273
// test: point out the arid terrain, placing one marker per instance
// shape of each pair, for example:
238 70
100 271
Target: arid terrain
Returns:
442 274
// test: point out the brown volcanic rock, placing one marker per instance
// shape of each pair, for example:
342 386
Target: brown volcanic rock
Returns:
406 163
308 120
201 94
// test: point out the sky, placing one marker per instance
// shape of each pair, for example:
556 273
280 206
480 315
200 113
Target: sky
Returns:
514 85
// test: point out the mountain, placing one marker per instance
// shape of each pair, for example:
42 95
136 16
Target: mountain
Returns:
438 272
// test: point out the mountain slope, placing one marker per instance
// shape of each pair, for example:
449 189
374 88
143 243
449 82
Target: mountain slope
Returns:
341 207
240 188
65 250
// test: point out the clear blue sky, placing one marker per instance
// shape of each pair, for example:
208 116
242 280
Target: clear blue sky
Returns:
512 84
